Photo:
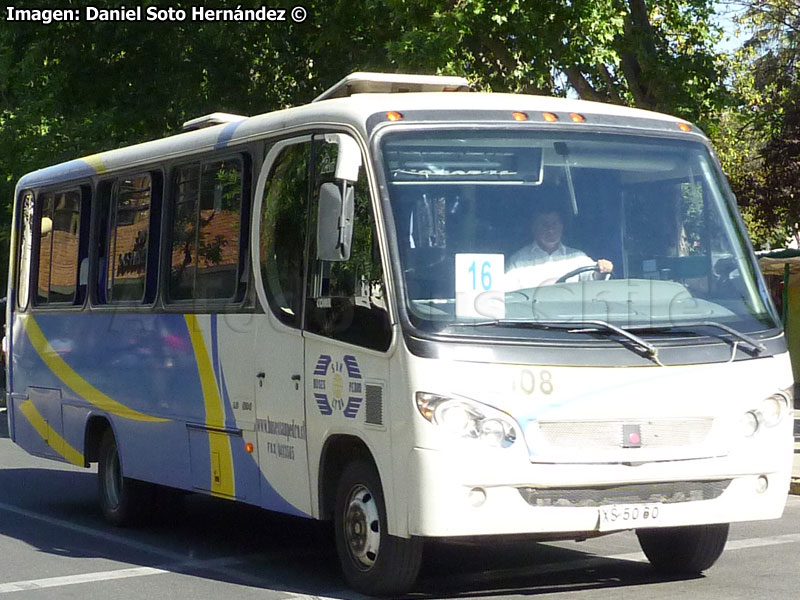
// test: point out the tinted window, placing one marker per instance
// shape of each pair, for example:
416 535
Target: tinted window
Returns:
24 252
58 247
283 232
129 239
206 230
346 300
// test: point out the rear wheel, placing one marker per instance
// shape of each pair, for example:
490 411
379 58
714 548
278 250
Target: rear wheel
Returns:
683 550
373 561
123 501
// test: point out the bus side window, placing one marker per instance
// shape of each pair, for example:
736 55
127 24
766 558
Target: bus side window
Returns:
59 234
129 238
283 232
206 228
347 300
24 251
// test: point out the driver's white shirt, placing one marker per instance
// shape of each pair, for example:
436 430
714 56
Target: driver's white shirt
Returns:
531 266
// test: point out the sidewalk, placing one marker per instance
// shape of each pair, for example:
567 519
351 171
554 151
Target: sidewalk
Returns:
794 488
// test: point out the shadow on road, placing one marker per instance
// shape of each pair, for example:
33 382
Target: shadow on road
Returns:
56 512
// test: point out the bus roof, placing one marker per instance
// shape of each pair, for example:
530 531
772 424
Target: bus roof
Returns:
356 111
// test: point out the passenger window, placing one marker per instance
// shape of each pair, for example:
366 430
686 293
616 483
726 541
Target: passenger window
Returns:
59 235
206 231
283 232
347 300
24 253
129 239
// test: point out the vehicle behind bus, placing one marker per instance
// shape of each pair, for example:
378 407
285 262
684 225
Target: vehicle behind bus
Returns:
430 314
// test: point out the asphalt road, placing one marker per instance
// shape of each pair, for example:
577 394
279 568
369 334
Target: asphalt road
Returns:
54 544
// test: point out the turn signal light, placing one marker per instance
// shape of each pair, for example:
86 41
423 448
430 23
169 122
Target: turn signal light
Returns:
249 448
684 127
394 116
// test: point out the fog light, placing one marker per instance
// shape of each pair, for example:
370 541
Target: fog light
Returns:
477 496
762 483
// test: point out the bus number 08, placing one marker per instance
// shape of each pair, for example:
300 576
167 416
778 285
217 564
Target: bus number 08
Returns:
527 382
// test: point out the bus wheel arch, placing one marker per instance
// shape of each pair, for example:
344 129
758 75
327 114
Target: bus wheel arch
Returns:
337 452
351 493
123 501
93 435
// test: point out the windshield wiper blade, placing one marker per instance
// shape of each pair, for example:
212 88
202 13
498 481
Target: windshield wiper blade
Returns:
757 346
590 325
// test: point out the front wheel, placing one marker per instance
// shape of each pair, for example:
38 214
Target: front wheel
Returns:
373 561
683 550
123 501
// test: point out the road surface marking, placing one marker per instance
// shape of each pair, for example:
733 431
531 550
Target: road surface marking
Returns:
51 582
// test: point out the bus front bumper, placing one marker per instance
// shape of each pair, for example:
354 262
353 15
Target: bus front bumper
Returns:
457 497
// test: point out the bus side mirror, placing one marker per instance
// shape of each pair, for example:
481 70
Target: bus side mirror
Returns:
348 159
334 222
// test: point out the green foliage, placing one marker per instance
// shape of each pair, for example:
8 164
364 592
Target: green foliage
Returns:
78 88
759 139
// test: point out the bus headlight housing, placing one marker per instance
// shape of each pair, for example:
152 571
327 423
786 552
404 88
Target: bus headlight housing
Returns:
774 409
467 419
771 412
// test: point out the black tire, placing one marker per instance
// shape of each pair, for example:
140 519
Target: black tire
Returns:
123 501
373 561
683 550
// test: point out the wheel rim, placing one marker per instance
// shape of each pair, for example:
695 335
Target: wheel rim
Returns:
112 478
362 529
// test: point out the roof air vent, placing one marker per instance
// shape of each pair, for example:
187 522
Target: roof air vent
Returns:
384 83
217 118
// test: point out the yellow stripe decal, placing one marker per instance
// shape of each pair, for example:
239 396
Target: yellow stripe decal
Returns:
96 163
53 439
221 457
74 381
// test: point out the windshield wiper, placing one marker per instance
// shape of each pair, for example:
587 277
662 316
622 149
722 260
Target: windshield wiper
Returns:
757 346
583 326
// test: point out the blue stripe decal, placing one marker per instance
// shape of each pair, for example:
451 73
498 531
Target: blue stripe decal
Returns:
219 373
322 365
353 404
324 405
352 366
226 135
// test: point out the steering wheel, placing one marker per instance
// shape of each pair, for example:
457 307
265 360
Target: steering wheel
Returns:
580 270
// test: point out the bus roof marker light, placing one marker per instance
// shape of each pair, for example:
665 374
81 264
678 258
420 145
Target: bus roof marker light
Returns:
249 447
577 118
393 115
685 127
519 116
550 117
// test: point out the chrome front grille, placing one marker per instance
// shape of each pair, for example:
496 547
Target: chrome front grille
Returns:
608 435
666 493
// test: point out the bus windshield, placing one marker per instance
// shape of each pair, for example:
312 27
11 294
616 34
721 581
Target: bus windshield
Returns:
495 227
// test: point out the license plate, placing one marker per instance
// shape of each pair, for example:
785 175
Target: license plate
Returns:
628 516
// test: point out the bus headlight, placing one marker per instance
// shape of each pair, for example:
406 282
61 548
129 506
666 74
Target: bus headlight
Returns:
774 409
467 419
749 424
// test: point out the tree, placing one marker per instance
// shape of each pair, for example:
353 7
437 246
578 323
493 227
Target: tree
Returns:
761 140
76 88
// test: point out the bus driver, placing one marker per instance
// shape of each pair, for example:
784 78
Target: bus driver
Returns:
546 259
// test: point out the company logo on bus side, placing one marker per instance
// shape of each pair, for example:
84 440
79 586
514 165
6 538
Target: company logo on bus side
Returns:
338 385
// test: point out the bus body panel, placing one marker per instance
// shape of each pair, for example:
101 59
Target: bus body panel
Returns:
161 384
570 445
